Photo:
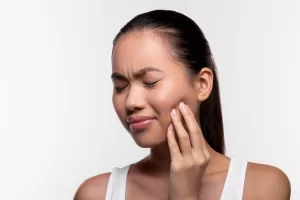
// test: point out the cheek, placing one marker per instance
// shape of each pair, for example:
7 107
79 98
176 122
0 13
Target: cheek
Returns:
118 106
166 98
166 101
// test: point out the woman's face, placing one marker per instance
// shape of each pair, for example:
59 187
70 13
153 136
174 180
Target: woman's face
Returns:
148 83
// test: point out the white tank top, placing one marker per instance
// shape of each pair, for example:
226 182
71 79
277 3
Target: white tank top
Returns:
232 190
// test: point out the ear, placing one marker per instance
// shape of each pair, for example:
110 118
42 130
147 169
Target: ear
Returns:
203 83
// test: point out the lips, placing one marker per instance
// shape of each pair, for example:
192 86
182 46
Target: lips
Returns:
132 120
140 122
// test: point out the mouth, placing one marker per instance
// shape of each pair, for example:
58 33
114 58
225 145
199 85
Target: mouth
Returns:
139 123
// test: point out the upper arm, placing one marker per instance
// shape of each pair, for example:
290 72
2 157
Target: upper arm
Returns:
93 188
266 182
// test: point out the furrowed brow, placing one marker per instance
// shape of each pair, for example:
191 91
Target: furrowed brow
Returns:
140 73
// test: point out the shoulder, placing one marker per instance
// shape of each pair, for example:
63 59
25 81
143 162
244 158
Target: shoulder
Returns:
93 188
266 182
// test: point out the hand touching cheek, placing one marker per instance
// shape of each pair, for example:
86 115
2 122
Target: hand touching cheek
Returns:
189 156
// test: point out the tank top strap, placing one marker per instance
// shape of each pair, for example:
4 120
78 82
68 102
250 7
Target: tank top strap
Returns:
232 190
234 185
116 187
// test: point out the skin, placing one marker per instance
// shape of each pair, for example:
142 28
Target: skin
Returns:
180 154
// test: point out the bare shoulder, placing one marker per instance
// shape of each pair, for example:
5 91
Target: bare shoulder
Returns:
266 182
93 188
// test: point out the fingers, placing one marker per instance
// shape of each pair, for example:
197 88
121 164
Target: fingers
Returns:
183 136
191 145
173 146
194 131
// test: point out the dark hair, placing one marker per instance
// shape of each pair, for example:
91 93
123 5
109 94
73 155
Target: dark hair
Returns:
190 47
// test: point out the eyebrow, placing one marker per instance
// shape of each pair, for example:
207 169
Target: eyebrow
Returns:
140 73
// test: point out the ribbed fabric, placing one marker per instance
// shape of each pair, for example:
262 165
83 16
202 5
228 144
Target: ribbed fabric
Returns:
234 185
232 190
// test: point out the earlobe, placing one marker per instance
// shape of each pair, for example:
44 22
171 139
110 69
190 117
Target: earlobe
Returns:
203 84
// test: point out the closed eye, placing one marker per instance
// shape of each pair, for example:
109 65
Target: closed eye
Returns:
119 89
150 84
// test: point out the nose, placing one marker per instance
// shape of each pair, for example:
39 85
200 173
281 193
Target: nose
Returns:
135 100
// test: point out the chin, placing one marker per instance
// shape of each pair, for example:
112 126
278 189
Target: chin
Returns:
149 136
148 140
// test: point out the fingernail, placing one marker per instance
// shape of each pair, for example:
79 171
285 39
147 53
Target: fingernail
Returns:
171 127
181 104
173 112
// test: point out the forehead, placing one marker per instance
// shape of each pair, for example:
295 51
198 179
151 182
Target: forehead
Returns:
140 49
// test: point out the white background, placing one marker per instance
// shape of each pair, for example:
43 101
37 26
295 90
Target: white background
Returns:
57 123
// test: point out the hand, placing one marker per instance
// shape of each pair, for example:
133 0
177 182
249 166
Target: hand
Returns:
189 157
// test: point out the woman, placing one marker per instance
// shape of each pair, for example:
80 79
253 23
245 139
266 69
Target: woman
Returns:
167 97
